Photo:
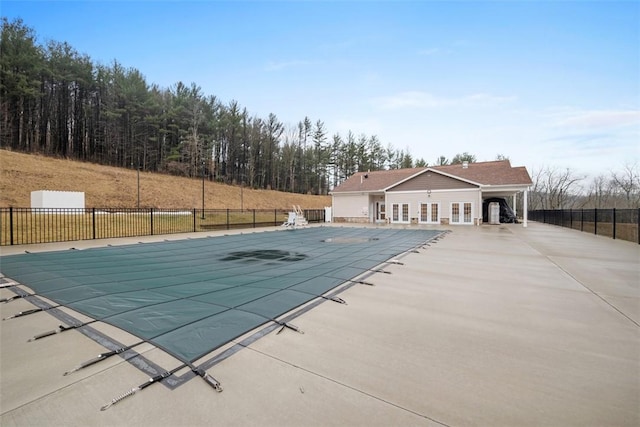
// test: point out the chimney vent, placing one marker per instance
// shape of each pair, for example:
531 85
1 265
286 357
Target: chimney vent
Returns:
465 165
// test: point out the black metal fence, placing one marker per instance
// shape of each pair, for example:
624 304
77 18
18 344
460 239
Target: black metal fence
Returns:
621 224
20 226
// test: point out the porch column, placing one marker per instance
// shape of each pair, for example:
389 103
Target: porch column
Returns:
515 208
525 214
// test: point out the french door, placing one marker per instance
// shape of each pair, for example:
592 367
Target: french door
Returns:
430 213
461 213
381 211
400 212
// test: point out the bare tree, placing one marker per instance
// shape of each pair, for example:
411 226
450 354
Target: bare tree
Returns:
627 182
554 188
599 193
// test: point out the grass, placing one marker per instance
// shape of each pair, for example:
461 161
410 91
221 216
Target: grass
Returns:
111 187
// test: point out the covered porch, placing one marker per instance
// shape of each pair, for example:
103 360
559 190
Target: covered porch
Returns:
511 193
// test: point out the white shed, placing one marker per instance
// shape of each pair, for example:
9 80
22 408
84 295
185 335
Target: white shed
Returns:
57 199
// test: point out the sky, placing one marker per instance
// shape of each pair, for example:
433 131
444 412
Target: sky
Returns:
548 84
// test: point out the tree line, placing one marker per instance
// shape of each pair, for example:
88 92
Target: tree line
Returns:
58 102
557 188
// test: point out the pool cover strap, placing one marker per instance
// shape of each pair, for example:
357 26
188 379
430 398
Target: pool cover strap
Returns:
58 330
25 313
100 358
215 384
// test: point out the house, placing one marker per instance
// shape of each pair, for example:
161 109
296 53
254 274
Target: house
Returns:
451 194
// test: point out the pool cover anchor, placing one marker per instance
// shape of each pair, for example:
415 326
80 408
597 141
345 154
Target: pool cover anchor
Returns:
60 329
334 299
15 297
361 282
100 358
25 313
6 285
215 384
288 325
134 390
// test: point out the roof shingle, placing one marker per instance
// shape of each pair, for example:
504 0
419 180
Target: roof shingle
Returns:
499 172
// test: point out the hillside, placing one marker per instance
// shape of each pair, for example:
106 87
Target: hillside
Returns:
105 186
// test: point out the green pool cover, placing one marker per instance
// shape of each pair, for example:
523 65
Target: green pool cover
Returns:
189 297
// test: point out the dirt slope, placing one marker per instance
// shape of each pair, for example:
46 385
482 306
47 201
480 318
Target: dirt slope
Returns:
105 186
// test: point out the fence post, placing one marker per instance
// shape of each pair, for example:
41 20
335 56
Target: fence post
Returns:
194 220
614 223
151 212
93 222
571 218
254 218
582 219
595 221
227 218
11 225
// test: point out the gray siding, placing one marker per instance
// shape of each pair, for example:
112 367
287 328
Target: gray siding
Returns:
432 181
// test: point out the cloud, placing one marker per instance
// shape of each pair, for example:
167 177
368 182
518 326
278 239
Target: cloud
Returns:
598 119
277 66
419 99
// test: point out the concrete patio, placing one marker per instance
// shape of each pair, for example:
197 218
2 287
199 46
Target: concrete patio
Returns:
490 326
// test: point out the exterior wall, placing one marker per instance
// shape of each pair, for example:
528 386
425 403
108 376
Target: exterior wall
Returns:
432 181
444 198
351 208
